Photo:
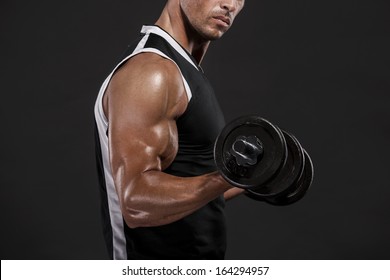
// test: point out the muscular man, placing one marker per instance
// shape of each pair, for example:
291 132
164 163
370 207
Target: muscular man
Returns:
157 120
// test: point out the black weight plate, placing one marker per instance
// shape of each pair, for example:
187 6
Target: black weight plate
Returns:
288 174
272 159
302 186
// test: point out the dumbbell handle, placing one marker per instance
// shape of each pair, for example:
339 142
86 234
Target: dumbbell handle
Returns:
247 150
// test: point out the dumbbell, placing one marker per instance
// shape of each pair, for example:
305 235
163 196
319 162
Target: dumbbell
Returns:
269 163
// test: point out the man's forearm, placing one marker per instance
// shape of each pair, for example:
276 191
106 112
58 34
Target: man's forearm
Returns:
156 198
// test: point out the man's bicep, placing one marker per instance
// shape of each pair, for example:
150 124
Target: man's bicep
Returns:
141 126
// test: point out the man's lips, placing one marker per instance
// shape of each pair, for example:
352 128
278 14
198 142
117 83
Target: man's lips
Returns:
224 19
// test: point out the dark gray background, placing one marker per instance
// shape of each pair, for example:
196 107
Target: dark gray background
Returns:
319 69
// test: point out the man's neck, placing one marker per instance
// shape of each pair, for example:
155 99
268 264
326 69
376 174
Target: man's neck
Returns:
173 23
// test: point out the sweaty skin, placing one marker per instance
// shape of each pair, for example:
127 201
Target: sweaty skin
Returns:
142 103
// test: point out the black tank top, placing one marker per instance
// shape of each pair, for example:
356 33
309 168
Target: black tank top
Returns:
201 235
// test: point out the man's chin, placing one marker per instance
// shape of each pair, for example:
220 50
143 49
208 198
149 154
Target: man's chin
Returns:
215 35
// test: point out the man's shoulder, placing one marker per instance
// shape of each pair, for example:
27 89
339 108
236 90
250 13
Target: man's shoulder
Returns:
148 65
153 75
